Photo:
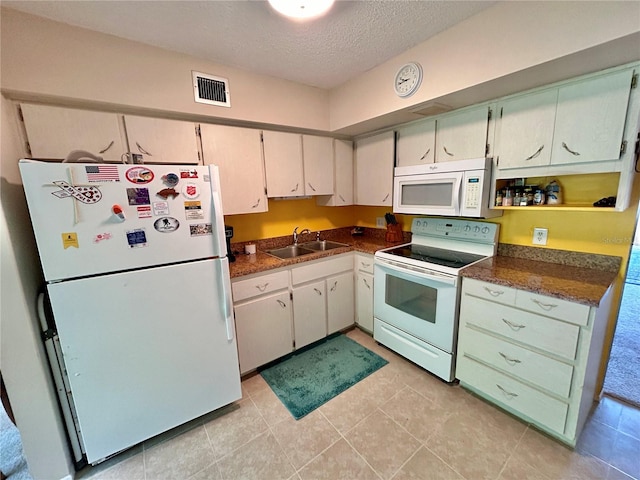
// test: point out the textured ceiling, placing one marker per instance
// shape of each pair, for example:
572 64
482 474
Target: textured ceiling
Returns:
355 37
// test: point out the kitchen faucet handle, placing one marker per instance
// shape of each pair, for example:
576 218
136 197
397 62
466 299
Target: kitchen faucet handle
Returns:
318 236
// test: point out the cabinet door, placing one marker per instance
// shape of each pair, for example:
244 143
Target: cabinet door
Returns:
53 132
237 153
590 119
374 170
364 301
343 176
263 327
317 155
162 141
340 302
526 130
283 164
462 135
309 313
415 144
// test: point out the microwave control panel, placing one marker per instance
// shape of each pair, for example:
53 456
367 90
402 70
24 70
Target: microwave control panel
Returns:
473 191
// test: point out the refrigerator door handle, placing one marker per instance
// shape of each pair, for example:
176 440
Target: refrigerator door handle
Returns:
217 215
225 291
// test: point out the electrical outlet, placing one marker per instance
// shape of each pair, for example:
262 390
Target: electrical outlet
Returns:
540 236
380 223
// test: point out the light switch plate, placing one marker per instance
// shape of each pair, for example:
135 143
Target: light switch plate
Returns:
380 223
540 236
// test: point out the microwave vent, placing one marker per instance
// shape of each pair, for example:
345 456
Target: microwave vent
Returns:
211 89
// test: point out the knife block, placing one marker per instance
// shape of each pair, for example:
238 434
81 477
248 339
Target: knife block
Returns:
394 233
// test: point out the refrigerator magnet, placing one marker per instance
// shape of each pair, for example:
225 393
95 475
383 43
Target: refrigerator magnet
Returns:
166 224
168 192
191 191
144 211
101 236
160 208
138 196
137 238
170 179
193 210
139 175
199 229
190 173
70 239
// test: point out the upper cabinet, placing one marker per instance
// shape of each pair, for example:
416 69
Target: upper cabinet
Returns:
53 132
580 122
283 164
343 176
162 141
238 154
415 143
590 119
317 155
374 170
462 135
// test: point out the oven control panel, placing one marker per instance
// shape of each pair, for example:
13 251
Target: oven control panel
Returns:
484 232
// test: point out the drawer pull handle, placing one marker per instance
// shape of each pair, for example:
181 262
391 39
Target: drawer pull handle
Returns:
509 360
335 284
572 152
494 293
513 326
506 393
366 284
535 154
342 198
262 288
544 306
318 291
282 304
365 265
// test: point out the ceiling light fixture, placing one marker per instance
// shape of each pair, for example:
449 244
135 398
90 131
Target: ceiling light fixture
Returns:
301 9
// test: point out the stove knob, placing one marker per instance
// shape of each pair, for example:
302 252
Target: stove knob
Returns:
476 229
467 228
485 230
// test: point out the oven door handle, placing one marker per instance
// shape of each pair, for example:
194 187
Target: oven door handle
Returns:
416 271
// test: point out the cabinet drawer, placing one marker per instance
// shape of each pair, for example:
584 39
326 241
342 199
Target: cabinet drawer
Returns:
253 287
553 307
364 263
510 393
540 332
322 268
489 291
533 367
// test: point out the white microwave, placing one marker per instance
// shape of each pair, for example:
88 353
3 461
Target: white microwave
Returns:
453 189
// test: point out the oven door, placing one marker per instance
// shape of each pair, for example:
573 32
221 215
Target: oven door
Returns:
428 194
420 303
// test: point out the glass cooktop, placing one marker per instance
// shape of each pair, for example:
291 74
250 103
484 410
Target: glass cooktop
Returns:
437 256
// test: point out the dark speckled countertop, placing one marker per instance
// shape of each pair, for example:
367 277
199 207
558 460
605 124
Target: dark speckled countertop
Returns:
372 240
576 277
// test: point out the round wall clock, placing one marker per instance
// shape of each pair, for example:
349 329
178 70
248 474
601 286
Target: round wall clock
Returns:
408 79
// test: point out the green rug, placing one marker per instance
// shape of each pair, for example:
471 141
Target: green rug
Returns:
314 375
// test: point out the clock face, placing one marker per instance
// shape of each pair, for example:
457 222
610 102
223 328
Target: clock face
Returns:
408 79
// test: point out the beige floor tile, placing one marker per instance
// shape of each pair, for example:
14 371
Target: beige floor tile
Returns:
557 461
131 469
261 458
518 470
424 465
303 439
472 448
349 408
338 462
212 472
95 472
233 430
271 408
179 457
382 384
383 443
419 416
254 384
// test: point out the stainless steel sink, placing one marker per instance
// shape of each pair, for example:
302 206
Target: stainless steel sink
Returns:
290 251
320 245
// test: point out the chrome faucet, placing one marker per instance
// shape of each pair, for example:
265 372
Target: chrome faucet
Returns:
295 234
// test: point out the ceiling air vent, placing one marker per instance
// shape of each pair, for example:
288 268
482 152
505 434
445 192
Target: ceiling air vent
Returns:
210 89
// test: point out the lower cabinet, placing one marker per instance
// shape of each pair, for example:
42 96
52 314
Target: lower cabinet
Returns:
309 313
533 355
340 302
364 291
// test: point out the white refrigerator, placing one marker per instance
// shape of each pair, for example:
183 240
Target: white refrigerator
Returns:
134 259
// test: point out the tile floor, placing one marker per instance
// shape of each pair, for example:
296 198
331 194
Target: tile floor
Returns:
399 423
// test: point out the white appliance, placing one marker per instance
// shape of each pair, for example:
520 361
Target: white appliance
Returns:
455 189
417 289
142 338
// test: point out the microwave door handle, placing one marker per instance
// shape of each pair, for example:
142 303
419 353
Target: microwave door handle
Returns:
457 189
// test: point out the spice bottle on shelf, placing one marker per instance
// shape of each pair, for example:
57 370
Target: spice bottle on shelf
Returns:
507 200
538 197
499 195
